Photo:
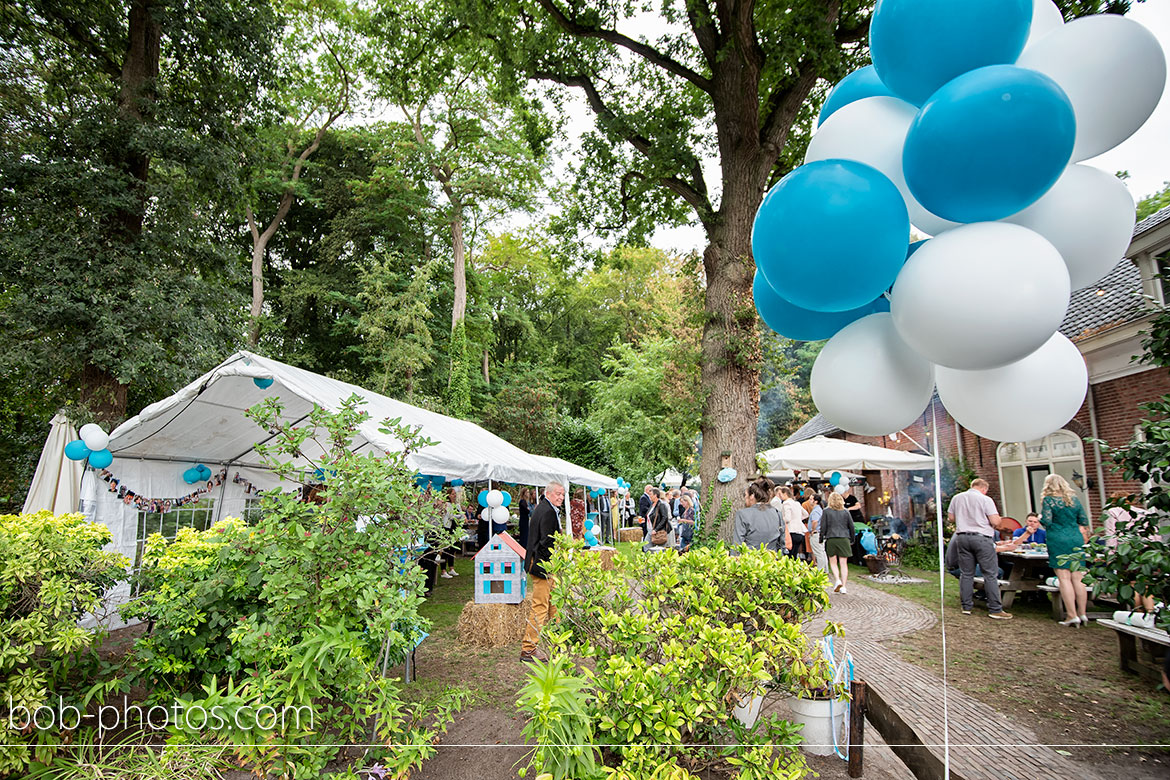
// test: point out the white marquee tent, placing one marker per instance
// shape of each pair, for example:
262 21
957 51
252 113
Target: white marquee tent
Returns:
204 423
826 455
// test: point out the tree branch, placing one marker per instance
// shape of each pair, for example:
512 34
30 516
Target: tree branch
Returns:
694 194
703 26
647 52
853 34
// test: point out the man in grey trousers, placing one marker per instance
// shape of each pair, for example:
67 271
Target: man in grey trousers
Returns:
976 521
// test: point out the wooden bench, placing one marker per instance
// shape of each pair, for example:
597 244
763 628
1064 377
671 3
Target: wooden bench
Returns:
1142 649
1058 603
1007 591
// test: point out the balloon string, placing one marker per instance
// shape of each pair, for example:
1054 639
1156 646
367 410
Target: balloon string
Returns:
941 593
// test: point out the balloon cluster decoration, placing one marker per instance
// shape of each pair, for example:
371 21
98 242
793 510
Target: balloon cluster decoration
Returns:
197 473
92 445
591 531
495 506
971 125
835 478
623 488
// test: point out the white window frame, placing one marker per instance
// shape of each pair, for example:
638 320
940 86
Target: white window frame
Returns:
1048 459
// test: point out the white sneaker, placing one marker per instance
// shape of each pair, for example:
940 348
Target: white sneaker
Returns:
452 572
445 575
842 590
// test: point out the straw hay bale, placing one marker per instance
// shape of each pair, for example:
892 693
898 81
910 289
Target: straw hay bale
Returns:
606 554
630 534
493 625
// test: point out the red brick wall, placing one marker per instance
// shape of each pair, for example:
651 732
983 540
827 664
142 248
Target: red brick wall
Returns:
1116 403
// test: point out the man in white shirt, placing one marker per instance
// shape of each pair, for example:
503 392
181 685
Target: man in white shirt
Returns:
976 520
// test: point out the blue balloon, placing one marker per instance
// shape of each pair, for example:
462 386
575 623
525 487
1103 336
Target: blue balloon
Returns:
263 383
101 459
76 450
835 478
482 498
858 85
919 45
456 483
204 472
799 324
507 498
591 540
837 216
191 476
989 144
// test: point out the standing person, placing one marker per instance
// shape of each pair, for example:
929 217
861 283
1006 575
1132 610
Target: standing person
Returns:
813 538
605 514
658 521
836 533
1116 522
854 506
527 499
451 511
675 503
644 503
793 515
1067 526
543 527
686 523
626 509
976 521
758 524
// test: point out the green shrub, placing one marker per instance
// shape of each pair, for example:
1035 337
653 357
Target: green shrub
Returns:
920 556
672 643
52 571
556 703
301 612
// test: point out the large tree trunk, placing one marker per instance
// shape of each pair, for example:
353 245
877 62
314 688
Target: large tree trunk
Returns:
459 273
730 372
103 395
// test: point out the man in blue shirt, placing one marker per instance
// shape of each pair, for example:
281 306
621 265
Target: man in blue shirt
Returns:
1031 533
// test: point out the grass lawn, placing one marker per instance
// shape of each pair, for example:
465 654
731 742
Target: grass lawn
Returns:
1066 683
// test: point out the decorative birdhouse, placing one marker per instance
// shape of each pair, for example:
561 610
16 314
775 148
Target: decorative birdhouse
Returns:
499 572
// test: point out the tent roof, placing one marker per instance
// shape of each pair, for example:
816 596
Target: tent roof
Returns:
577 475
205 423
825 454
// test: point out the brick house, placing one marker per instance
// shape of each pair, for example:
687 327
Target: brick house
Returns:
1105 320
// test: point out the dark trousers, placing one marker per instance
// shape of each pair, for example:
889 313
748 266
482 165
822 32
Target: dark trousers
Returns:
978 549
607 527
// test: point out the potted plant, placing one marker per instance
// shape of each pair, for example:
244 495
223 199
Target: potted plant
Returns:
819 696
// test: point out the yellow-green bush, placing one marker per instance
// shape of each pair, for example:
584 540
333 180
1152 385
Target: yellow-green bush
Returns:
52 571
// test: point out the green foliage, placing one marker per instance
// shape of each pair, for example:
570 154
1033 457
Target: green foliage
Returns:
1151 204
459 385
921 556
648 408
303 610
524 411
53 571
394 325
130 757
673 642
555 699
579 442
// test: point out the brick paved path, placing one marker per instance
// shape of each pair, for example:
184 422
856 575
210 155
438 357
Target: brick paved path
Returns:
985 743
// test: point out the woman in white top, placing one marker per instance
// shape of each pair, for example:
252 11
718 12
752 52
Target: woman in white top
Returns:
793 514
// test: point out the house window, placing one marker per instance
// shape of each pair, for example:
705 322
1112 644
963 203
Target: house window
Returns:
495 546
498 586
507 568
197 515
485 568
1023 467
251 514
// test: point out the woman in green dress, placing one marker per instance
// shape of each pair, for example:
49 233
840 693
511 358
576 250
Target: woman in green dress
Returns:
1066 526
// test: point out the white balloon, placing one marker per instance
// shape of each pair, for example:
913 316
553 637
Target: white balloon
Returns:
500 514
486 514
980 296
1113 71
1022 401
841 489
867 381
494 498
1046 17
873 131
94 437
1088 215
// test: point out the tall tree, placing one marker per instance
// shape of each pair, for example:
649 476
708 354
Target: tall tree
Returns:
117 122
716 76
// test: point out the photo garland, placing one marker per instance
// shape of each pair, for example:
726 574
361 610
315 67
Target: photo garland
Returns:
164 505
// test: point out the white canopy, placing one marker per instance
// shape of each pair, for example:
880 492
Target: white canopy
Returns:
56 484
577 475
789 474
825 454
205 423
673 479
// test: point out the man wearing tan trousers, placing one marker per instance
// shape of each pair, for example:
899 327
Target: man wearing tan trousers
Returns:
543 526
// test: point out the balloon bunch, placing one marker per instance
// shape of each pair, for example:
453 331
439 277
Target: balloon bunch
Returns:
92 445
495 506
835 478
596 492
199 473
623 488
591 531
970 125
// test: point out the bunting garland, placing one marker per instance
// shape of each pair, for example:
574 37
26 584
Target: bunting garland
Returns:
163 505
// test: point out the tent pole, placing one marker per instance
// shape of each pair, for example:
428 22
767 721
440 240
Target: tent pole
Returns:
942 575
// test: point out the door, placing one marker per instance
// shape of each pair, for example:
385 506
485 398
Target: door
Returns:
1036 477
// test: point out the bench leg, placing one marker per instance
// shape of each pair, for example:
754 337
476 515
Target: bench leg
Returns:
1057 606
1127 650
1007 597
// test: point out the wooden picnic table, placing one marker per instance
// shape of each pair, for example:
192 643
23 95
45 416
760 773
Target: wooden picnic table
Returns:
1028 570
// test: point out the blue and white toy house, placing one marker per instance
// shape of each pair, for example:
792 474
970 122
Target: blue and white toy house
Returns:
499 572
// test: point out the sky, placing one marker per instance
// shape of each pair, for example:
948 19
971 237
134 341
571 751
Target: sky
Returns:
1146 154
